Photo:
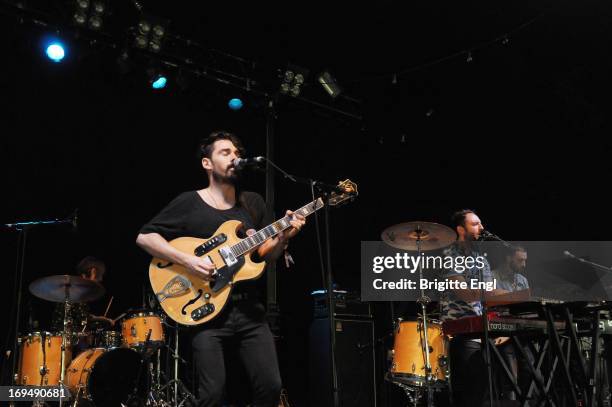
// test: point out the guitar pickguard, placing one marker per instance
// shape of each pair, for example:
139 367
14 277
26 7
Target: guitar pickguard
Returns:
225 275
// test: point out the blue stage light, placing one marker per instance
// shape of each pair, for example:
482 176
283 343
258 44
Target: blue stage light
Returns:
55 51
159 83
235 104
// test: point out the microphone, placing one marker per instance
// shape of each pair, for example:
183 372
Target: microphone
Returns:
567 253
485 234
240 163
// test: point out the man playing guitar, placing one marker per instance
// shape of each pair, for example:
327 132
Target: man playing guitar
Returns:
241 324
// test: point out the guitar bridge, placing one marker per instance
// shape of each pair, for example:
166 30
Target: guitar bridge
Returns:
228 256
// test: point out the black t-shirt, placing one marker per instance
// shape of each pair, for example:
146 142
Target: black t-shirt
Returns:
188 215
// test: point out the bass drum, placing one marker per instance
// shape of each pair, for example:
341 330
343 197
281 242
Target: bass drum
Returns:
107 377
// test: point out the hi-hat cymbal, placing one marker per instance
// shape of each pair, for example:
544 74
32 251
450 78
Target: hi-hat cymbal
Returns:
431 236
65 287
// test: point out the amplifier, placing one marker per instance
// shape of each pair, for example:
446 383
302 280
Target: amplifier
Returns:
346 304
355 364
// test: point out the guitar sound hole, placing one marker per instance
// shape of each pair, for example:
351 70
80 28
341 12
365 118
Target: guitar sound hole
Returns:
191 302
163 266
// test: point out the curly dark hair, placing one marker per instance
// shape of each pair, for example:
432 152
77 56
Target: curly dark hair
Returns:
205 147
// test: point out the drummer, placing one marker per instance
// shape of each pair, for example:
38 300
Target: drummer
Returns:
89 268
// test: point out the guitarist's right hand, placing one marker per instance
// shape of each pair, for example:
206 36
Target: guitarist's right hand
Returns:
200 266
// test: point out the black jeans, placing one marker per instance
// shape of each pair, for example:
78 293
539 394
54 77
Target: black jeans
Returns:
241 326
468 373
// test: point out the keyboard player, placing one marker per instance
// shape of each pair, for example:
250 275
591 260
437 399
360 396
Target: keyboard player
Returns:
510 275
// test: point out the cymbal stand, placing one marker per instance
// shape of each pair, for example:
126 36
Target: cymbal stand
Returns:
423 301
66 337
179 389
155 394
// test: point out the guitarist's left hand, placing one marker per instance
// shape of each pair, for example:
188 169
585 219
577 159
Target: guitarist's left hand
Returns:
296 224
274 247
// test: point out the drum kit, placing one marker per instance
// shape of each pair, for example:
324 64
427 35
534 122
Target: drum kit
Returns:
420 354
116 366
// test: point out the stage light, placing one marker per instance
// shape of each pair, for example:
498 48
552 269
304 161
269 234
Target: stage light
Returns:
329 84
158 79
159 82
55 51
235 104
89 13
150 34
292 80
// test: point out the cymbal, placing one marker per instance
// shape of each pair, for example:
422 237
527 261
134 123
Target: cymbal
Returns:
405 235
61 287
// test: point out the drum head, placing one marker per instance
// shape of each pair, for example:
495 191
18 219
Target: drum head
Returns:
115 375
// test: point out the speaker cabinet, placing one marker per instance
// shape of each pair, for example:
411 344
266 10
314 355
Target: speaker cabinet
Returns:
354 363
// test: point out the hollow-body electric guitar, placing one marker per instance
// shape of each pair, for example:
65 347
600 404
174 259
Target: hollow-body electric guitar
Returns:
189 299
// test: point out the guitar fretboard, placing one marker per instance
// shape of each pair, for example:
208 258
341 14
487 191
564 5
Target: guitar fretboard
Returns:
249 243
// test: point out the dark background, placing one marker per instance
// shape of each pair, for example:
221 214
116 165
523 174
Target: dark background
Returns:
520 133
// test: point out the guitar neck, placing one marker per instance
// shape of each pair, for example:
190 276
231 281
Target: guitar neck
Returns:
249 243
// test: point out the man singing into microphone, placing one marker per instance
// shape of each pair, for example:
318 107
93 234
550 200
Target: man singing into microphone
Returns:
469 373
241 326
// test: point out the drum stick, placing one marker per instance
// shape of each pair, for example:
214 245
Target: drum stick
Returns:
119 317
108 307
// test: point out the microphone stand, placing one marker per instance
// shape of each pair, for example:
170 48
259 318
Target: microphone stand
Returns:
485 331
23 228
321 186
590 263
486 235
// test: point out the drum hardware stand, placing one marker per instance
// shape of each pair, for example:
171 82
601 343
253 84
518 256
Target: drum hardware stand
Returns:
176 383
22 228
155 395
412 393
423 301
66 334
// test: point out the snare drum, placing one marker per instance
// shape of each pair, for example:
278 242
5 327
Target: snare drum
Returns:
408 364
40 359
107 377
142 331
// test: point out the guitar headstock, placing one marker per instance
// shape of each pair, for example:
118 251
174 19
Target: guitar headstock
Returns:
345 192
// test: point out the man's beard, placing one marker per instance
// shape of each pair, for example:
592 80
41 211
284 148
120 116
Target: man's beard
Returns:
226 179
470 237
517 269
